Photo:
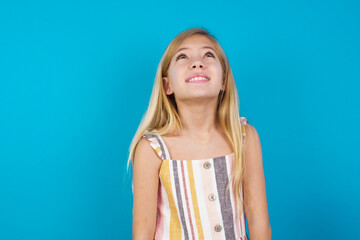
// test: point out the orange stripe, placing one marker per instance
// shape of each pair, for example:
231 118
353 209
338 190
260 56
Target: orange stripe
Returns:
195 201
175 227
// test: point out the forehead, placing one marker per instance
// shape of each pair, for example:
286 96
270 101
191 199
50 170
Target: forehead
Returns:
196 41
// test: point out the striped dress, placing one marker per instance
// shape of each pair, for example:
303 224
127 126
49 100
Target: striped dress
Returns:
191 197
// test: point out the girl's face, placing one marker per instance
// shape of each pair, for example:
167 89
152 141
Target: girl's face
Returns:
194 57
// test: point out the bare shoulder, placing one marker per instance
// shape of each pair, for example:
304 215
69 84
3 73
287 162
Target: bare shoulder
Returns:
255 206
145 155
145 186
252 152
252 140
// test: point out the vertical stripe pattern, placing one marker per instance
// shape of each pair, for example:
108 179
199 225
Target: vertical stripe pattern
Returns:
192 198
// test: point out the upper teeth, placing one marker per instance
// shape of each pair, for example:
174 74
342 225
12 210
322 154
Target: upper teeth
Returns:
197 79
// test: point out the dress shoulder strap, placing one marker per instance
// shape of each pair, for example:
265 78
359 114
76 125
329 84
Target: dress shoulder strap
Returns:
243 122
158 144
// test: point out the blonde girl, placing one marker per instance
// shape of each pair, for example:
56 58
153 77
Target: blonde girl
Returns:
197 165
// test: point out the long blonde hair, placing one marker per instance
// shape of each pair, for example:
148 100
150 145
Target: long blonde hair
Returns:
163 118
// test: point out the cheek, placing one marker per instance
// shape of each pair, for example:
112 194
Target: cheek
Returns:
174 81
216 68
176 76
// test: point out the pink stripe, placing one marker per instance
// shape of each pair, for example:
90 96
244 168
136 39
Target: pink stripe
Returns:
186 198
237 226
160 220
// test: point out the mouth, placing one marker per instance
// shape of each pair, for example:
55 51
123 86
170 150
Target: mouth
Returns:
198 78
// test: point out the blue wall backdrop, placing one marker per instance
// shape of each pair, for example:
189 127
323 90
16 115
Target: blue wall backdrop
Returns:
76 78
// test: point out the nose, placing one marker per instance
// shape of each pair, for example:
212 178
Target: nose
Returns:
196 64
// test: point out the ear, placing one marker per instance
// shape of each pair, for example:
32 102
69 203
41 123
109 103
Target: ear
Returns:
167 86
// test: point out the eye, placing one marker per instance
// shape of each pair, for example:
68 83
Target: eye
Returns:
211 54
178 57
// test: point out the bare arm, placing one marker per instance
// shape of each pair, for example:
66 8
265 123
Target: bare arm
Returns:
256 210
145 179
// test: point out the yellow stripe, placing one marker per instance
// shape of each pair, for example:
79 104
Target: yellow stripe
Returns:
243 128
175 227
195 202
158 150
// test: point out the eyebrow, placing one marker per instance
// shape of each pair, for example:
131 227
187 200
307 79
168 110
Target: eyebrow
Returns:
187 48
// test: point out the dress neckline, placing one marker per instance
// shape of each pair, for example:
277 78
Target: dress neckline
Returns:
200 159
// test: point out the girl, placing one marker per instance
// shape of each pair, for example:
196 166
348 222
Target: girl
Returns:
190 157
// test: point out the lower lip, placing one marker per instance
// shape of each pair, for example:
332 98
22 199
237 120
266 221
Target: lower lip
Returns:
199 81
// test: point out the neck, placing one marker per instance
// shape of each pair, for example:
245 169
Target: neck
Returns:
198 119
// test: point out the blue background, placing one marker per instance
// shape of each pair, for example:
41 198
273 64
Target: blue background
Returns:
76 78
